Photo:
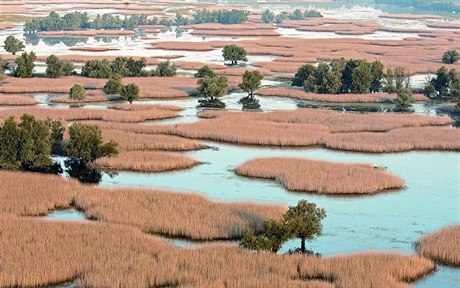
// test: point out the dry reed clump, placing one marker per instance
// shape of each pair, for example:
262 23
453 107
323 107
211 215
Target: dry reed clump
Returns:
144 161
47 85
441 246
138 107
235 33
397 140
41 253
92 49
188 65
154 211
303 175
29 194
81 114
16 100
183 46
190 216
86 33
132 141
164 87
336 98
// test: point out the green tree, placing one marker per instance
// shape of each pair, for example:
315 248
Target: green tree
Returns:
404 98
441 81
10 137
129 92
251 82
181 20
165 69
113 85
296 15
25 65
13 45
281 17
205 71
97 69
77 92
429 90
85 143
268 16
377 76
57 68
450 57
302 74
234 53
304 220
212 87
361 78
312 14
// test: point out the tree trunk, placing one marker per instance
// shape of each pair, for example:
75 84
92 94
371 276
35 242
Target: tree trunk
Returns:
302 245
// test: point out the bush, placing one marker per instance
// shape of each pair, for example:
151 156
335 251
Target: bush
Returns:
165 69
205 71
450 57
130 92
234 53
57 68
113 85
13 45
25 65
77 92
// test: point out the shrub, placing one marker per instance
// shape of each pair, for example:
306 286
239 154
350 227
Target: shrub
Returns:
113 85
450 57
234 53
13 45
25 65
165 69
57 68
205 71
130 92
77 92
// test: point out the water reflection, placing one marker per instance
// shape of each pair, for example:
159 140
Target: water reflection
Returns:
79 169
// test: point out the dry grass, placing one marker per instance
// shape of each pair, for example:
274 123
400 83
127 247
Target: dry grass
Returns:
183 46
80 114
16 100
303 175
235 33
40 253
142 161
441 246
130 141
86 33
336 98
164 87
397 140
153 211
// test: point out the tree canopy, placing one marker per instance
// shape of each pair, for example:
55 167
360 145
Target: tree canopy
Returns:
13 45
234 53
251 82
212 87
56 68
233 16
85 143
25 65
450 57
301 221
268 16
113 85
129 92
124 66
205 71
77 92
165 69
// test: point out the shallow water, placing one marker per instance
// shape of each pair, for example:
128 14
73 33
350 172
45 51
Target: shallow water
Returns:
66 215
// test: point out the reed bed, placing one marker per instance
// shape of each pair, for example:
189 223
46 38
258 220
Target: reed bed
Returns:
29 194
164 87
92 49
168 213
197 65
130 141
42 253
81 114
47 85
235 33
143 161
86 33
397 140
16 100
335 98
183 46
139 107
441 246
304 175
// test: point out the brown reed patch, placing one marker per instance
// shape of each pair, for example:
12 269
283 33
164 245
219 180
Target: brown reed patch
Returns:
16 100
183 46
336 98
138 107
129 141
304 175
197 65
441 246
86 33
92 49
41 253
164 87
397 140
81 114
239 33
143 161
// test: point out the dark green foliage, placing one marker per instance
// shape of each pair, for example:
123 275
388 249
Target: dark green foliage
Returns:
166 22
445 83
396 79
221 16
251 82
281 17
312 14
302 221
27 145
85 143
77 92
340 76
79 169
268 16
429 90
205 71
440 6
211 88
404 98
180 20
165 69
296 15
57 135
25 65
97 69
78 21
450 57
57 68
13 45
234 53
129 92
113 85
249 103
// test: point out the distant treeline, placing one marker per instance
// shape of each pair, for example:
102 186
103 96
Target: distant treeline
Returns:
222 16
430 5
79 21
